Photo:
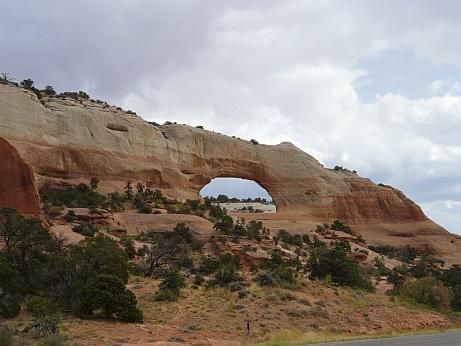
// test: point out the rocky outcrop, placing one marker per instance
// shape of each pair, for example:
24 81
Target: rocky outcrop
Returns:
66 140
17 183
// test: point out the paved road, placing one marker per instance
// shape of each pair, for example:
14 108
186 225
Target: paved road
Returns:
439 339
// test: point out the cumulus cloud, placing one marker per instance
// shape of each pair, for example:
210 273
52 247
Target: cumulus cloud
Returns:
270 70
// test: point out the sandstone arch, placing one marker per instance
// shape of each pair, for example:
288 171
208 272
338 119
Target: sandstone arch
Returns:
70 141
17 183
67 142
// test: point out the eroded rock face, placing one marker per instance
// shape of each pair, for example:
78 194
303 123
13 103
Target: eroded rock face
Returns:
70 141
17 183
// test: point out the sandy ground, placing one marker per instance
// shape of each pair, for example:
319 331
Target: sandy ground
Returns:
219 317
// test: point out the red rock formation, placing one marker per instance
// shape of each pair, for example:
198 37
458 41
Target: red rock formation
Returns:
17 183
70 141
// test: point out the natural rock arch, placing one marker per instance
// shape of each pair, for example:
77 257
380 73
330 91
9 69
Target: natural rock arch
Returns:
67 141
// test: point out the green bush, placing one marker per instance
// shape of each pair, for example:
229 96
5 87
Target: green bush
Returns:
264 278
170 287
86 229
128 244
336 265
31 262
456 298
208 265
70 216
285 277
145 209
108 293
451 277
5 337
227 269
9 306
339 226
427 291
26 247
81 196
40 307
10 277
182 231
199 280
166 296
100 255
173 281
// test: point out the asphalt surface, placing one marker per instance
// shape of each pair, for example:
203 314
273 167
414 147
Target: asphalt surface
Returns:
439 339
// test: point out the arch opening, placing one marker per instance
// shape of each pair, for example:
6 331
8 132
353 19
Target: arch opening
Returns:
239 195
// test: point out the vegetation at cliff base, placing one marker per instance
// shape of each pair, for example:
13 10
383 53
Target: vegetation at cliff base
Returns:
32 263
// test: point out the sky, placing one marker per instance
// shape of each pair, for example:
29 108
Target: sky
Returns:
373 86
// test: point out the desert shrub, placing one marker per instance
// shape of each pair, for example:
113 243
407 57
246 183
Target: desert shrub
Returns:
145 209
339 226
385 250
427 291
81 196
285 277
306 239
215 211
166 296
100 255
40 307
199 280
128 244
31 262
26 247
456 298
197 245
264 278
208 265
115 201
9 306
182 231
225 224
83 95
408 253
292 239
335 264
10 278
164 250
227 269
5 337
50 210
427 266
381 268
28 84
70 216
108 293
49 91
86 229
129 191
170 287
451 277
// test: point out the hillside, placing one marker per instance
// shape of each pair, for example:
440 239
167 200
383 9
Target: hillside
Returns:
104 239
